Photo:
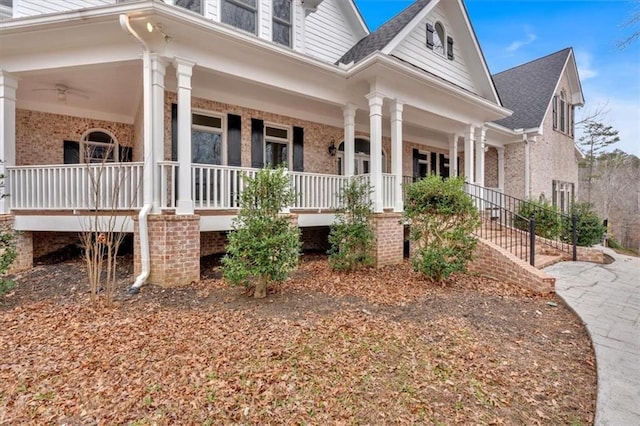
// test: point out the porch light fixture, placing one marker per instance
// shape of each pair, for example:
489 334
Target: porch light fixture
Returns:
332 148
151 27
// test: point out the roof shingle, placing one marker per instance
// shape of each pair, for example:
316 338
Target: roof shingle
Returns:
378 39
527 89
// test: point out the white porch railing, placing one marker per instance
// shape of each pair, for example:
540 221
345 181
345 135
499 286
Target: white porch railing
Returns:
113 186
218 187
317 191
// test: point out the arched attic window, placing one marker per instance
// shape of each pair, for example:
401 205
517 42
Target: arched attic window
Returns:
438 41
98 146
362 157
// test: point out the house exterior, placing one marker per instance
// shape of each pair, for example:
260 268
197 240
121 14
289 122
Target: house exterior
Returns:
171 102
543 95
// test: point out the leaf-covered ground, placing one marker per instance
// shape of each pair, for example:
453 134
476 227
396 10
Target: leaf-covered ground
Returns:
379 347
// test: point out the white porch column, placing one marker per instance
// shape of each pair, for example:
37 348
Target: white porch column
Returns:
480 135
184 70
469 142
158 68
396 109
349 114
500 167
375 123
8 87
453 155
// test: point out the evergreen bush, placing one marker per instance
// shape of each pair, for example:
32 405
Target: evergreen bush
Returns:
442 219
351 236
263 245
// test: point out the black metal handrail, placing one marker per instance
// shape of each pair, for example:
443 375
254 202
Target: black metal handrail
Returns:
516 217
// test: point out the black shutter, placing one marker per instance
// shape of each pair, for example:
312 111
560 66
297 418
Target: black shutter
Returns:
416 164
234 140
174 132
444 171
434 156
71 152
555 112
257 140
298 149
449 48
125 153
430 36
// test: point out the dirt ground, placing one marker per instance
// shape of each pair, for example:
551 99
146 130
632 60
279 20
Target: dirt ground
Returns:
377 347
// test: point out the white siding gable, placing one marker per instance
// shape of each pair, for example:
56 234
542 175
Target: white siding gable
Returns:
413 49
328 32
37 7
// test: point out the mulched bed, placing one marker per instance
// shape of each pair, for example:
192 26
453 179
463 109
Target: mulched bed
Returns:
377 347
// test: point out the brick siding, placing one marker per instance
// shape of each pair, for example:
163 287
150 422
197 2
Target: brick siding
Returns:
389 239
174 249
497 263
40 136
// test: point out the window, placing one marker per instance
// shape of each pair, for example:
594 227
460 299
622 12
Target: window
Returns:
282 22
99 146
192 5
554 107
206 139
438 38
563 109
362 158
276 149
563 195
6 9
241 14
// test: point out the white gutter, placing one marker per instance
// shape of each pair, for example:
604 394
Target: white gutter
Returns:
147 174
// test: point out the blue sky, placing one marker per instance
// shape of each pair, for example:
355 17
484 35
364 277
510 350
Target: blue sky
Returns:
514 32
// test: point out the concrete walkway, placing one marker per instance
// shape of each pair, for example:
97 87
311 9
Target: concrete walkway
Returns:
607 298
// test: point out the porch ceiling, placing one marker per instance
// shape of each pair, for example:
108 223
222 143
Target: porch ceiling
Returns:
110 91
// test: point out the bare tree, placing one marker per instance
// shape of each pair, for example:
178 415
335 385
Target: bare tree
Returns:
110 187
633 23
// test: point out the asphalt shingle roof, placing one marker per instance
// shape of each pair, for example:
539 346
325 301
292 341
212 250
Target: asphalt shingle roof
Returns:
378 39
527 89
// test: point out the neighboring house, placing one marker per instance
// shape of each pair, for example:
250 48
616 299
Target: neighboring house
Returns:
182 99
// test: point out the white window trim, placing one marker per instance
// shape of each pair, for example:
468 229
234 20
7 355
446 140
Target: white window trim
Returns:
292 31
443 52
223 128
288 141
258 12
83 144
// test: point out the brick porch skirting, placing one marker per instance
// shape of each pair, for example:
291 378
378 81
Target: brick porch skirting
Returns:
174 249
389 239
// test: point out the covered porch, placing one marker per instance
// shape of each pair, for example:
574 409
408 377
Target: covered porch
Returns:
184 96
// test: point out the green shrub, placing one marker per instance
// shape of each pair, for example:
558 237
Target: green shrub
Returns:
548 223
7 256
263 245
589 227
442 219
7 252
351 236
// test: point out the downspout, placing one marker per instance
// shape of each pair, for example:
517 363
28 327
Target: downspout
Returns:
147 176
527 177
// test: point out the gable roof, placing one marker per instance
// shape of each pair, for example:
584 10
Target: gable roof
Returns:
378 39
527 89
